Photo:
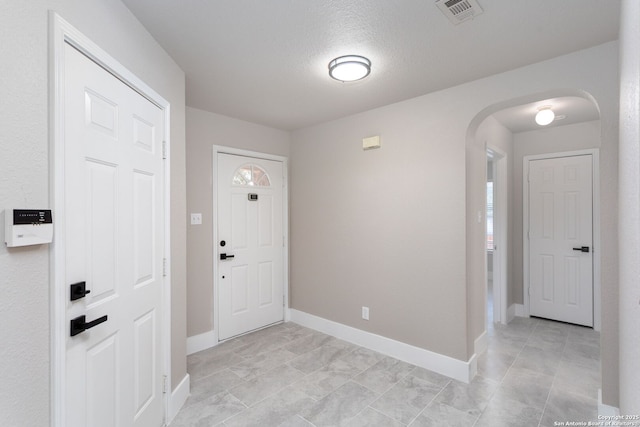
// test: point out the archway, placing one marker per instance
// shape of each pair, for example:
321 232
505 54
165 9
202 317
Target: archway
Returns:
493 128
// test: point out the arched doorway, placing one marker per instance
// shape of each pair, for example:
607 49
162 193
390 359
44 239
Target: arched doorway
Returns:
497 127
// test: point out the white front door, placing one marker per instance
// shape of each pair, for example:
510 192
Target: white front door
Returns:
114 239
561 239
250 244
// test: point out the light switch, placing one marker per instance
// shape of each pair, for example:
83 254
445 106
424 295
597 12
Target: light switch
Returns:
196 218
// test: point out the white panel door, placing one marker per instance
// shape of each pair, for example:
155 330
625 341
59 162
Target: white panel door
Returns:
560 239
113 214
251 244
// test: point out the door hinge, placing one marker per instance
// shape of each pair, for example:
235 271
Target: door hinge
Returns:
165 384
529 290
164 267
164 149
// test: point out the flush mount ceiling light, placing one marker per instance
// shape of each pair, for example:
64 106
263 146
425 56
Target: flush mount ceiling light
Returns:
545 115
349 68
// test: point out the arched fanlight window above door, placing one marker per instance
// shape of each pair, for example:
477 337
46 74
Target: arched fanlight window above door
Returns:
251 175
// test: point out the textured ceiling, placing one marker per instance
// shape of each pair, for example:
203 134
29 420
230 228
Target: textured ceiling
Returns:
265 61
568 110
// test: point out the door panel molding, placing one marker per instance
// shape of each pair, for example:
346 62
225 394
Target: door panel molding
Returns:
595 153
62 33
218 150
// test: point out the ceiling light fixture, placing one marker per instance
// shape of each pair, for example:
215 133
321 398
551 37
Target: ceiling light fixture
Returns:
349 68
545 115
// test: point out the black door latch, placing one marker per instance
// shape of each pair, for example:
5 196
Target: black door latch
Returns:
79 324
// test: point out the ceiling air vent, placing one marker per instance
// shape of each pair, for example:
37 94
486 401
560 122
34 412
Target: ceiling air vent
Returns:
459 10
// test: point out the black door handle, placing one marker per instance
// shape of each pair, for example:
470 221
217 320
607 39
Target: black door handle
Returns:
582 249
79 324
225 256
78 290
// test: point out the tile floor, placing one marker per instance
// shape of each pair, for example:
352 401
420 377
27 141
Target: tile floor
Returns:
534 372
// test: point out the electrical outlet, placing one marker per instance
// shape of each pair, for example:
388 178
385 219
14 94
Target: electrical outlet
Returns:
365 313
196 218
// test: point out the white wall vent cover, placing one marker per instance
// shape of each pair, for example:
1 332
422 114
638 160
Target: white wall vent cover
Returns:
459 10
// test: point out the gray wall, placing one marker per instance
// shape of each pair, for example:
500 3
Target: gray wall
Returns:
388 228
204 130
24 182
383 228
630 208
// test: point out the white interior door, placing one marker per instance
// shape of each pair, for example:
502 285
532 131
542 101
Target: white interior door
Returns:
114 237
250 244
561 239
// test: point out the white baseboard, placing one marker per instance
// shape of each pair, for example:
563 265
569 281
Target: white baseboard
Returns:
472 368
481 343
178 397
201 342
445 365
515 310
606 410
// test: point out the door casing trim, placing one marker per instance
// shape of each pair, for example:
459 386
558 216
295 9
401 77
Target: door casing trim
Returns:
595 153
61 33
500 292
220 149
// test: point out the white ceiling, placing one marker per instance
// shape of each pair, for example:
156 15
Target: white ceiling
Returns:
568 110
265 61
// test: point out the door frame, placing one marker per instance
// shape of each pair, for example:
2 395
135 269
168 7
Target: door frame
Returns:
61 33
500 212
595 156
220 149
